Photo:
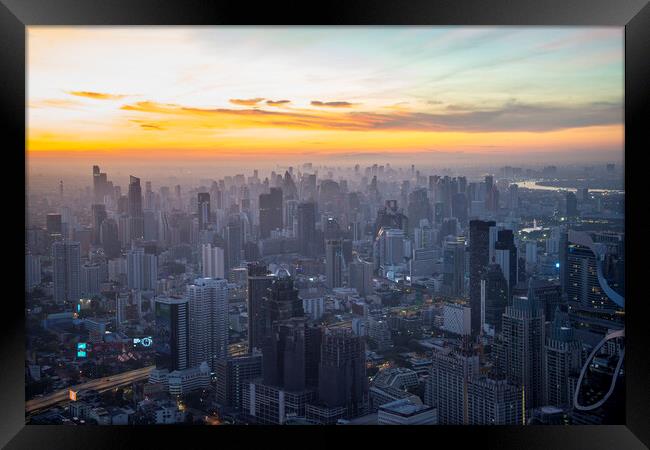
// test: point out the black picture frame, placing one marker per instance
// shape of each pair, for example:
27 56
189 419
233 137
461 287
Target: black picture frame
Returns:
15 15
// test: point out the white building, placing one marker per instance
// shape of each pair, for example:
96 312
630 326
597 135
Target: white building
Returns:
208 299
212 261
142 269
181 382
407 411
456 318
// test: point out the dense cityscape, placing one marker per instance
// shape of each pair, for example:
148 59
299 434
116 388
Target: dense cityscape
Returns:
360 294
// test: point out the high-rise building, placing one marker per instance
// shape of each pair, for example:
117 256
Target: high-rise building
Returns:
208 307
54 223
232 374
66 267
493 401
259 281
203 206
562 362
136 214
142 269
90 279
571 204
454 267
284 359
99 215
32 271
361 276
109 238
172 334
342 381
234 242
212 261
306 213
447 385
419 207
479 251
494 298
280 302
334 263
270 212
523 333
506 255
390 246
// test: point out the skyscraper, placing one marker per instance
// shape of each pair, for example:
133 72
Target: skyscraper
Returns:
571 204
109 238
99 215
203 207
334 263
142 269
208 313
172 334
454 267
306 228
232 374
136 215
66 267
259 281
523 342
479 251
361 276
270 212
562 362
419 207
506 255
494 298
212 261
342 380
281 302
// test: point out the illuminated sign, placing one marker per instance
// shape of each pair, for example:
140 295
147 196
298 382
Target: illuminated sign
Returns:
145 341
73 395
81 350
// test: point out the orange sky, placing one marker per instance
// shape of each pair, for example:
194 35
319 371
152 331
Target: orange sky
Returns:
183 93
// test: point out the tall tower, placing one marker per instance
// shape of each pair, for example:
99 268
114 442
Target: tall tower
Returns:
66 267
270 212
334 263
259 281
208 306
136 215
203 206
306 228
479 251
172 334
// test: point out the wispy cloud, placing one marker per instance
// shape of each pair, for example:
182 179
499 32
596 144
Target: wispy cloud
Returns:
278 102
245 102
97 95
332 104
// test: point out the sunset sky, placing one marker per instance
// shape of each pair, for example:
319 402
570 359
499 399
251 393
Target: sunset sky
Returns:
228 93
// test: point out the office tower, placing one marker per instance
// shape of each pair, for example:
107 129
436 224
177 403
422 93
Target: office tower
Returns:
505 255
361 276
53 223
99 215
479 251
212 261
90 279
136 215
390 217
390 246
306 213
571 205
32 271
109 238
531 253
562 361
334 263
270 212
203 212
459 207
513 197
123 205
66 267
208 306
494 298
447 384
273 405
171 338
234 242
142 269
423 235
280 302
523 343
284 355
342 380
259 280
232 374
419 207
493 401
547 293
582 285
454 267
379 333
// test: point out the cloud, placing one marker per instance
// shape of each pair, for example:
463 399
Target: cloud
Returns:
97 95
512 116
277 102
332 104
56 103
245 102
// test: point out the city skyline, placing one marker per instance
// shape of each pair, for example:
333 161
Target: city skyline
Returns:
238 95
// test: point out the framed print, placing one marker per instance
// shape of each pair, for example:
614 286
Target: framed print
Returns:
368 219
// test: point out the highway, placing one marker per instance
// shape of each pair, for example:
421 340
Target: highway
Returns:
100 384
